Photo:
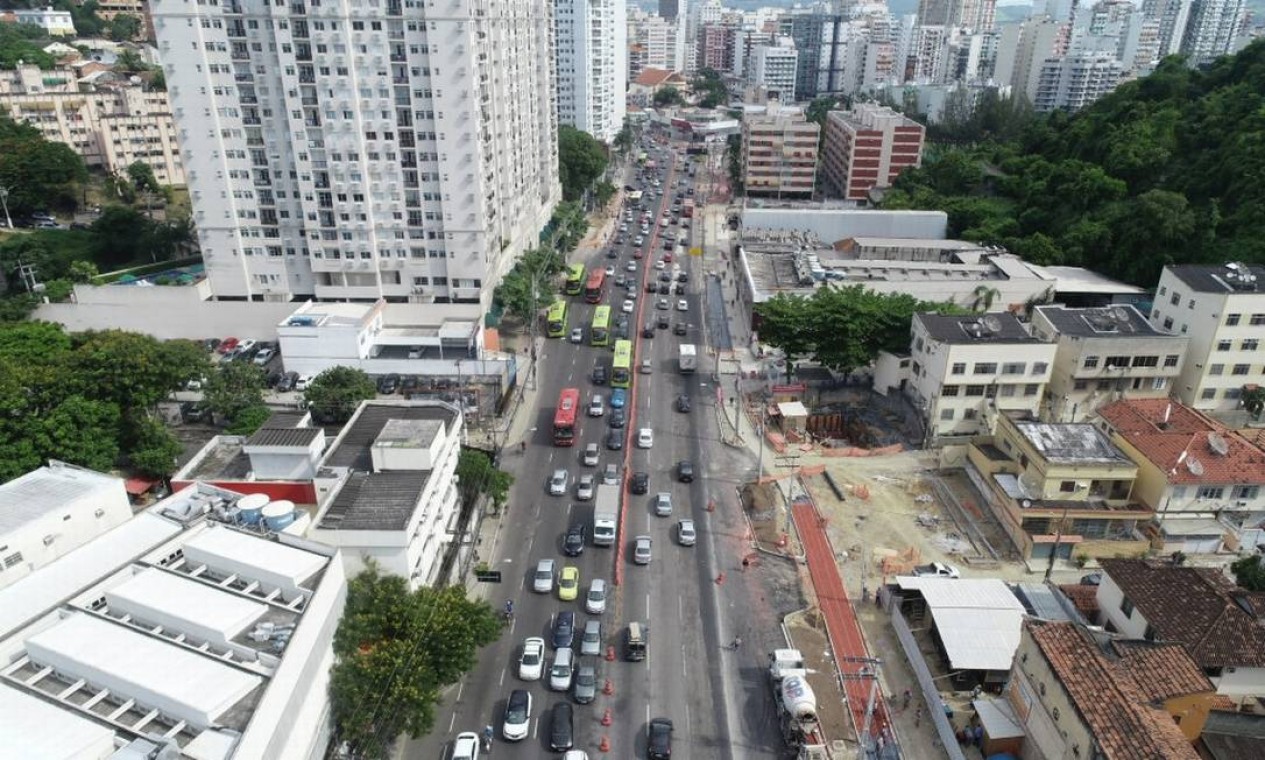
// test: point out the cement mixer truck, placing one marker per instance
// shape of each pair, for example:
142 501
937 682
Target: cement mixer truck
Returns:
796 703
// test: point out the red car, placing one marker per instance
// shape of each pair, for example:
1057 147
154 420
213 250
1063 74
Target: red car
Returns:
638 253
227 345
667 258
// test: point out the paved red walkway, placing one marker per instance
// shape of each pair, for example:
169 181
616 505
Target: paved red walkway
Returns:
845 632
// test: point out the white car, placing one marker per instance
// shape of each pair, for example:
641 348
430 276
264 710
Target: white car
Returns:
685 533
245 346
631 266
558 483
610 270
663 504
542 581
660 264
517 716
576 754
641 550
301 384
628 306
563 665
466 747
637 241
531 666
645 438
595 600
682 305
577 335
597 406
591 455
263 356
584 491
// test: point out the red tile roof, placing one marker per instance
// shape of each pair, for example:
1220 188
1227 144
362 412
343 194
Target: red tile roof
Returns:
1197 607
1184 443
1084 598
1107 697
653 77
1161 671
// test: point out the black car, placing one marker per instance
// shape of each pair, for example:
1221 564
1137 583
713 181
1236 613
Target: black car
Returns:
274 379
685 471
659 742
683 403
287 382
615 440
573 542
665 276
650 286
664 321
648 330
563 629
621 328
640 483
599 374
410 384
664 289
561 733
612 253
620 281
387 384
680 328
618 418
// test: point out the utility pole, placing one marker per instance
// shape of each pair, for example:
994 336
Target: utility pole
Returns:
4 200
867 747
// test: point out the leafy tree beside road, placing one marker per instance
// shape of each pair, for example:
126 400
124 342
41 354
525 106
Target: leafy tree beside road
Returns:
234 391
477 475
581 160
396 651
668 96
530 285
334 394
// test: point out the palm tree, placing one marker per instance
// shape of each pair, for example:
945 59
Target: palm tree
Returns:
984 297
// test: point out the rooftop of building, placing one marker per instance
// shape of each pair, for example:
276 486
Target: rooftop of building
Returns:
974 329
1198 607
285 437
1189 447
375 501
1231 278
174 623
1229 735
330 313
1070 442
353 449
1109 322
48 489
1107 697
651 77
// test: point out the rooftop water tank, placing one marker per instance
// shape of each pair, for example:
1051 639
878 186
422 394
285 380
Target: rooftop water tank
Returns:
279 514
252 506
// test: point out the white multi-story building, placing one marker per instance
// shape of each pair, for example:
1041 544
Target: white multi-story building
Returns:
1221 308
363 150
656 43
1073 81
57 23
592 65
50 512
1022 50
773 67
388 489
1213 30
1172 16
965 370
1104 354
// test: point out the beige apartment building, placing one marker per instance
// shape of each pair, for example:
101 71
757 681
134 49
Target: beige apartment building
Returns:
109 121
779 155
1104 354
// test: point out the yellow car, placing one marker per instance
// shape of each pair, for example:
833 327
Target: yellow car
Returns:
569 583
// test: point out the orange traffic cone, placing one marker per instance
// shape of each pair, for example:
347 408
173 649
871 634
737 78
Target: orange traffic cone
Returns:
720 579
606 717
605 744
610 654
609 688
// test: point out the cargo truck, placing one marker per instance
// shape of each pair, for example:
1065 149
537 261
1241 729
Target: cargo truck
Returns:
688 358
606 515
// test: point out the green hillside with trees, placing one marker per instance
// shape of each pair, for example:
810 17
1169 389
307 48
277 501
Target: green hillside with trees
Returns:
1168 169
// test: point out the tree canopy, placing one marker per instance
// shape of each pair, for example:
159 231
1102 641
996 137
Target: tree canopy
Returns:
235 389
531 284
709 86
38 173
842 328
87 398
396 650
477 475
334 394
581 160
1165 170
668 96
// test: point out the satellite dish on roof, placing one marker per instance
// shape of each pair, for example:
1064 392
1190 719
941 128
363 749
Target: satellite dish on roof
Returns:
1120 314
1029 484
1218 444
1195 466
991 323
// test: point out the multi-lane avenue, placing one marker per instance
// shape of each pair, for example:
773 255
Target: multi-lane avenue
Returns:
714 695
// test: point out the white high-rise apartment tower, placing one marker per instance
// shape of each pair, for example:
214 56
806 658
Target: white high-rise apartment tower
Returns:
363 149
592 65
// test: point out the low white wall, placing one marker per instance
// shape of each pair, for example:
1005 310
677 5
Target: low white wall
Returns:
833 225
166 313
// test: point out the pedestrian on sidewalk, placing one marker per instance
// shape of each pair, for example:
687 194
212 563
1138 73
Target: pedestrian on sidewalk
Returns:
918 717
905 699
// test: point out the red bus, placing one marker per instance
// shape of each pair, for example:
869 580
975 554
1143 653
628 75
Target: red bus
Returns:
593 288
564 417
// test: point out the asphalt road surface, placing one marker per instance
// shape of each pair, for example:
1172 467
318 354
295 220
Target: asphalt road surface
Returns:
718 699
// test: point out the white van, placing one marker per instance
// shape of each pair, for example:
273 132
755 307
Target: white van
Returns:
560 673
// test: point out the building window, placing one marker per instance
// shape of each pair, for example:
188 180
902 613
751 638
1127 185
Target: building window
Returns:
1225 344
1008 391
969 414
949 390
1245 492
1171 360
1067 486
1091 362
985 368
1210 492
1149 634
1249 344
1232 394
946 414
1159 383
1126 607
1168 323
1216 369
1080 385
1176 298
1232 319
1010 368
1031 390
1208 394
1146 361
1117 361
1240 369
1190 304
1040 368
1055 713
975 391
959 368
1257 320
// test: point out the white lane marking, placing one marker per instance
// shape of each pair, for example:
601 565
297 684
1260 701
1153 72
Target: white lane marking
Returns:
452 722
460 687
535 726
647 608
502 683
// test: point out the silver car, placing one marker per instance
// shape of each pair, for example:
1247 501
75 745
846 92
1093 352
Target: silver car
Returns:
685 533
595 601
663 504
542 580
558 483
610 476
591 455
584 491
591 641
641 550
586 684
